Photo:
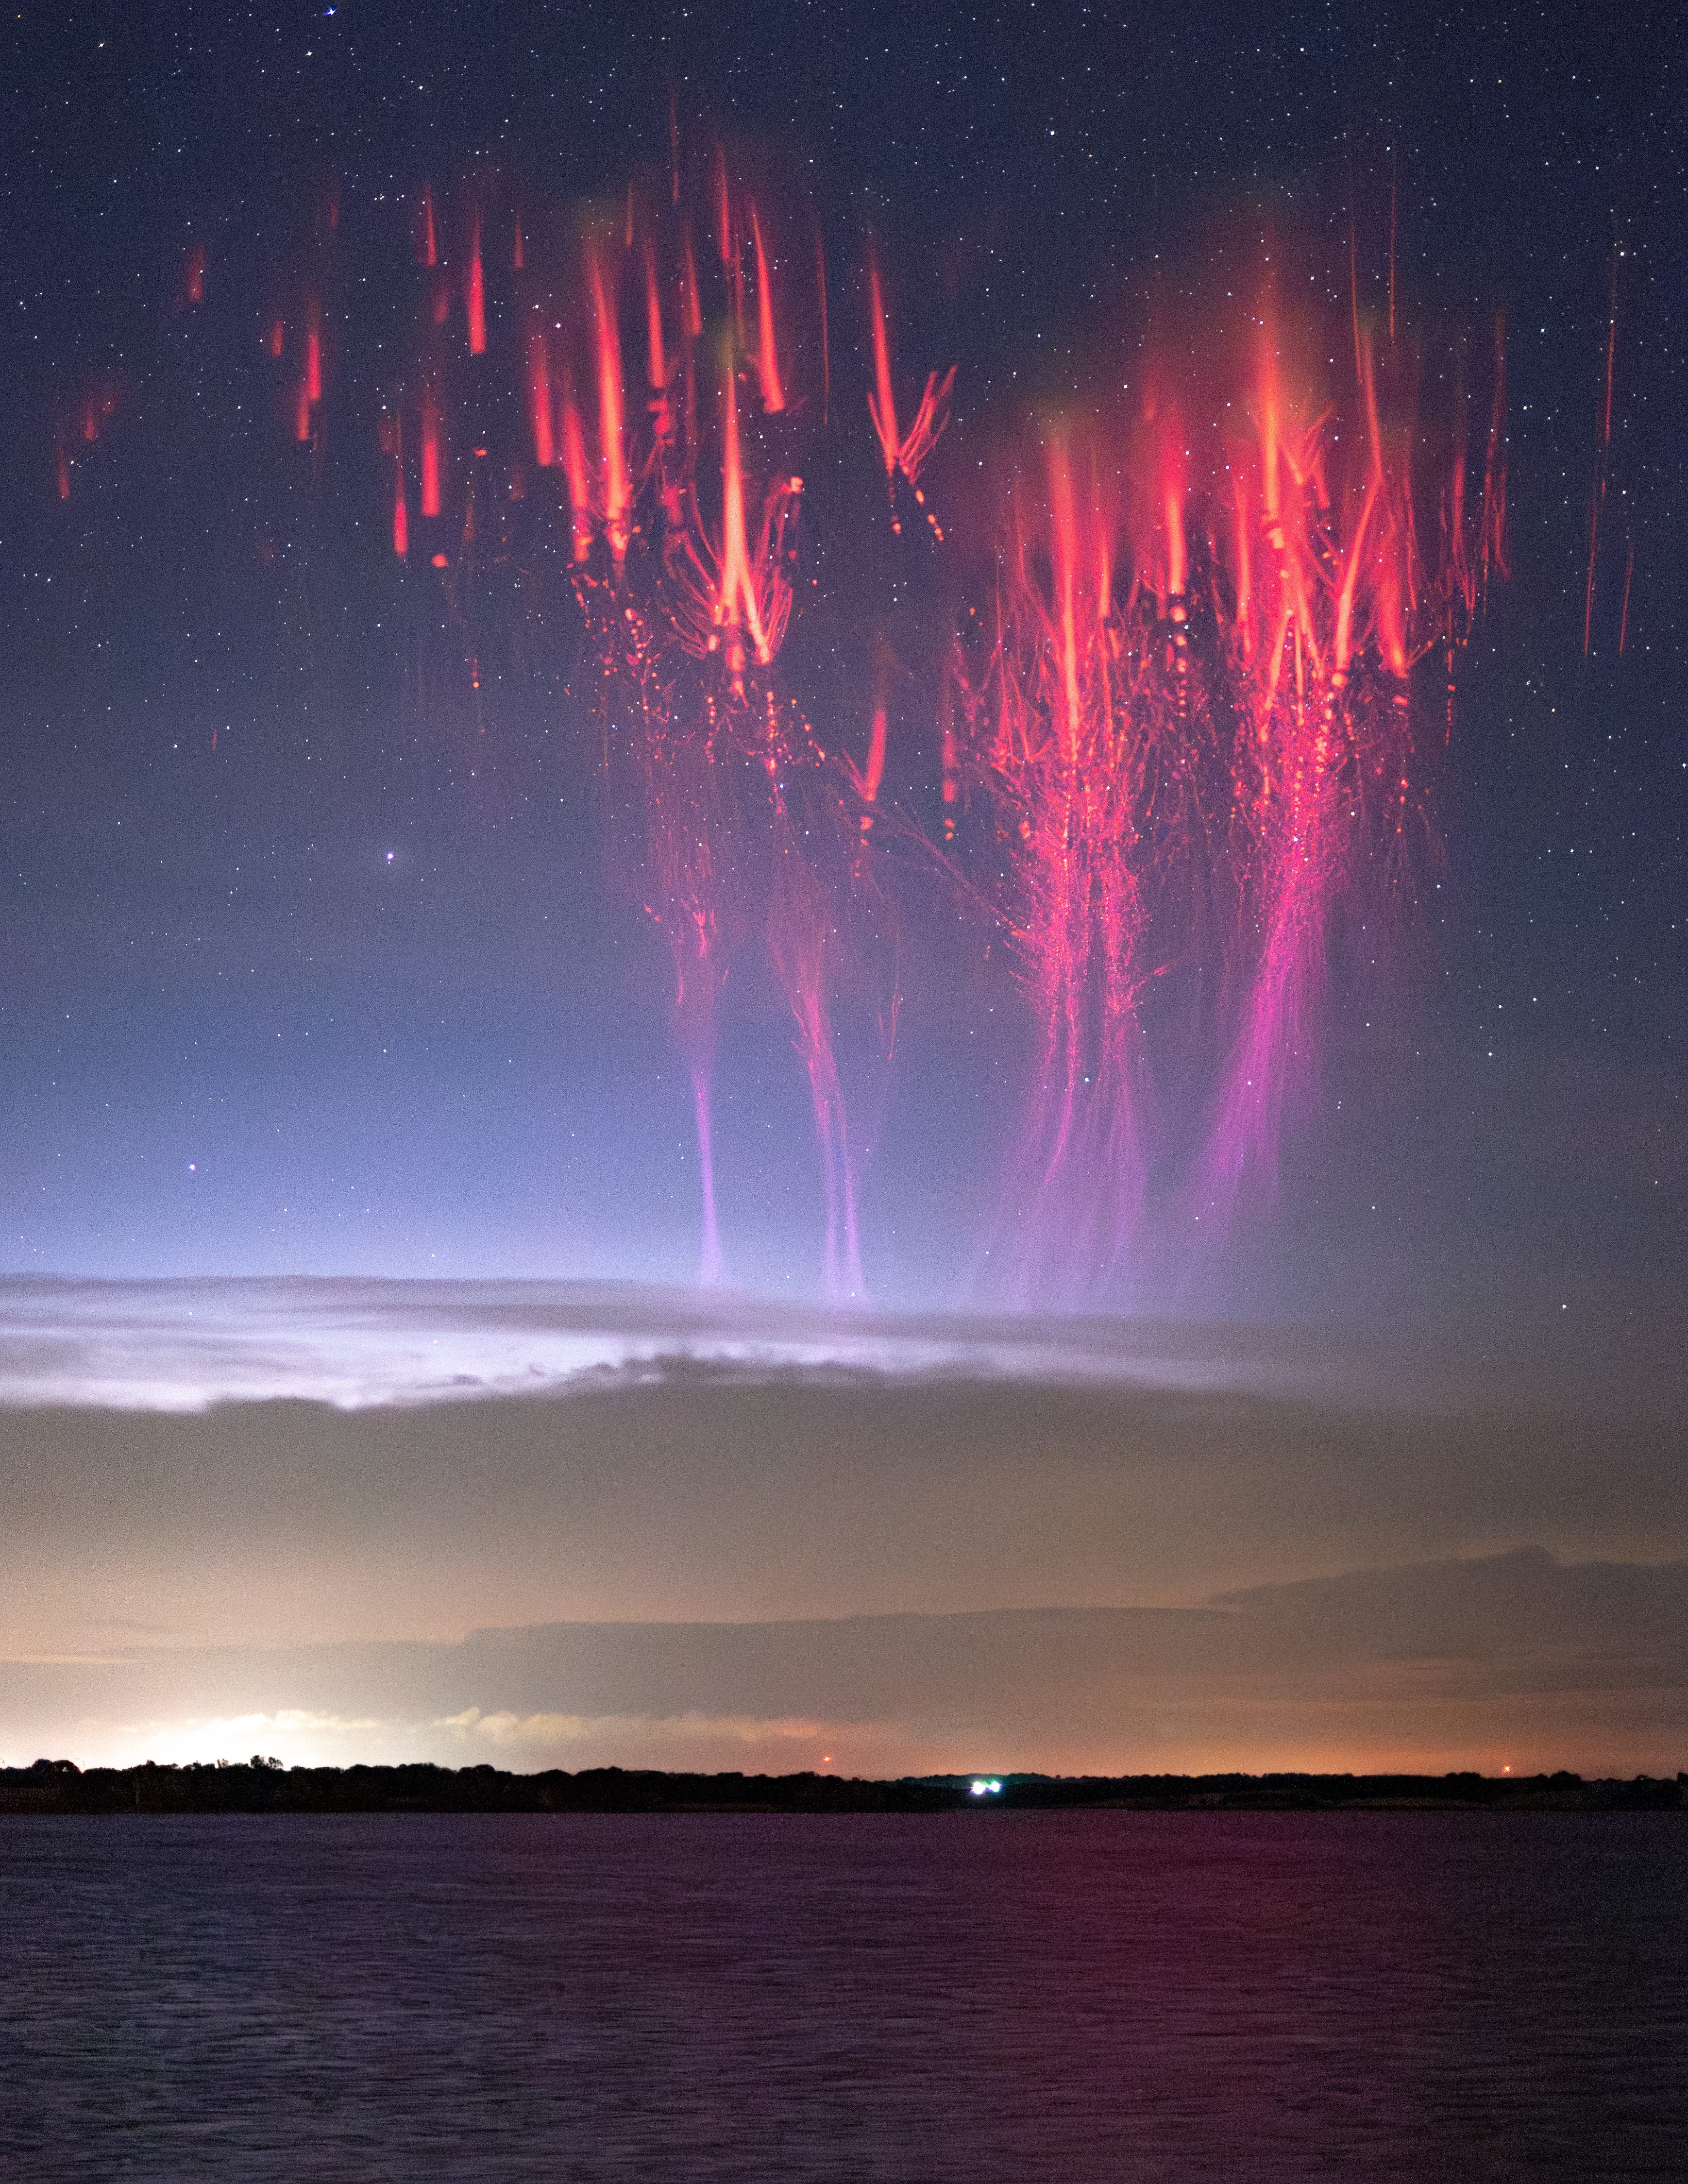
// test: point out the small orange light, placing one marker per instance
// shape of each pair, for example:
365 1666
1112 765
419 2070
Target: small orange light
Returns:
439 560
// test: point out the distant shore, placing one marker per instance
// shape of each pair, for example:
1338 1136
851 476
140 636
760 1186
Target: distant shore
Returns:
52 1787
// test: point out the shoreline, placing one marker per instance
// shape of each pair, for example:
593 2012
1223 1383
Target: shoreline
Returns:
56 1788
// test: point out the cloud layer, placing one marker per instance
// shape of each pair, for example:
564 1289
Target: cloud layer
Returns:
1438 1663
183 1345
706 1527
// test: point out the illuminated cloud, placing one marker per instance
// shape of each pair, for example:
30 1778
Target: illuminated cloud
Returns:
184 1344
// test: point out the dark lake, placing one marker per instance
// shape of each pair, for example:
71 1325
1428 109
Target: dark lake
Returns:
1060 1996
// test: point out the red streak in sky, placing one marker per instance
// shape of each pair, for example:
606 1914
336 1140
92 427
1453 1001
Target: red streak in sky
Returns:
866 780
767 355
1494 543
1394 205
801 935
723 209
313 351
617 490
577 468
1172 504
909 452
882 404
475 294
826 351
691 301
711 1268
1597 493
430 453
539 397
738 607
874 773
656 357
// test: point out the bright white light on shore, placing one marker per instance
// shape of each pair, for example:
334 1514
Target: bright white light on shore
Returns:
987 1786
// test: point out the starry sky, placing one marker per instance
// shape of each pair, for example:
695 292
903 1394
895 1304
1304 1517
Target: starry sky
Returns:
351 991
312 969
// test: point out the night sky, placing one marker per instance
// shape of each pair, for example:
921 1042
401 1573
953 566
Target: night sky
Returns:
319 960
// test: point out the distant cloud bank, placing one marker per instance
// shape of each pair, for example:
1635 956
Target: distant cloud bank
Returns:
1514 1657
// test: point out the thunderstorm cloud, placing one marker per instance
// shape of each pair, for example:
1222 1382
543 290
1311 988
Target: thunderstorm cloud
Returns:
572 1525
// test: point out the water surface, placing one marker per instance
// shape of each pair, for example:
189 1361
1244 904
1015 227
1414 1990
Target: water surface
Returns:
1061 1996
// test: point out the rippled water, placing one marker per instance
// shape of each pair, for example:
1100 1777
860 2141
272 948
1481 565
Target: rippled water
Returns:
1066 1996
